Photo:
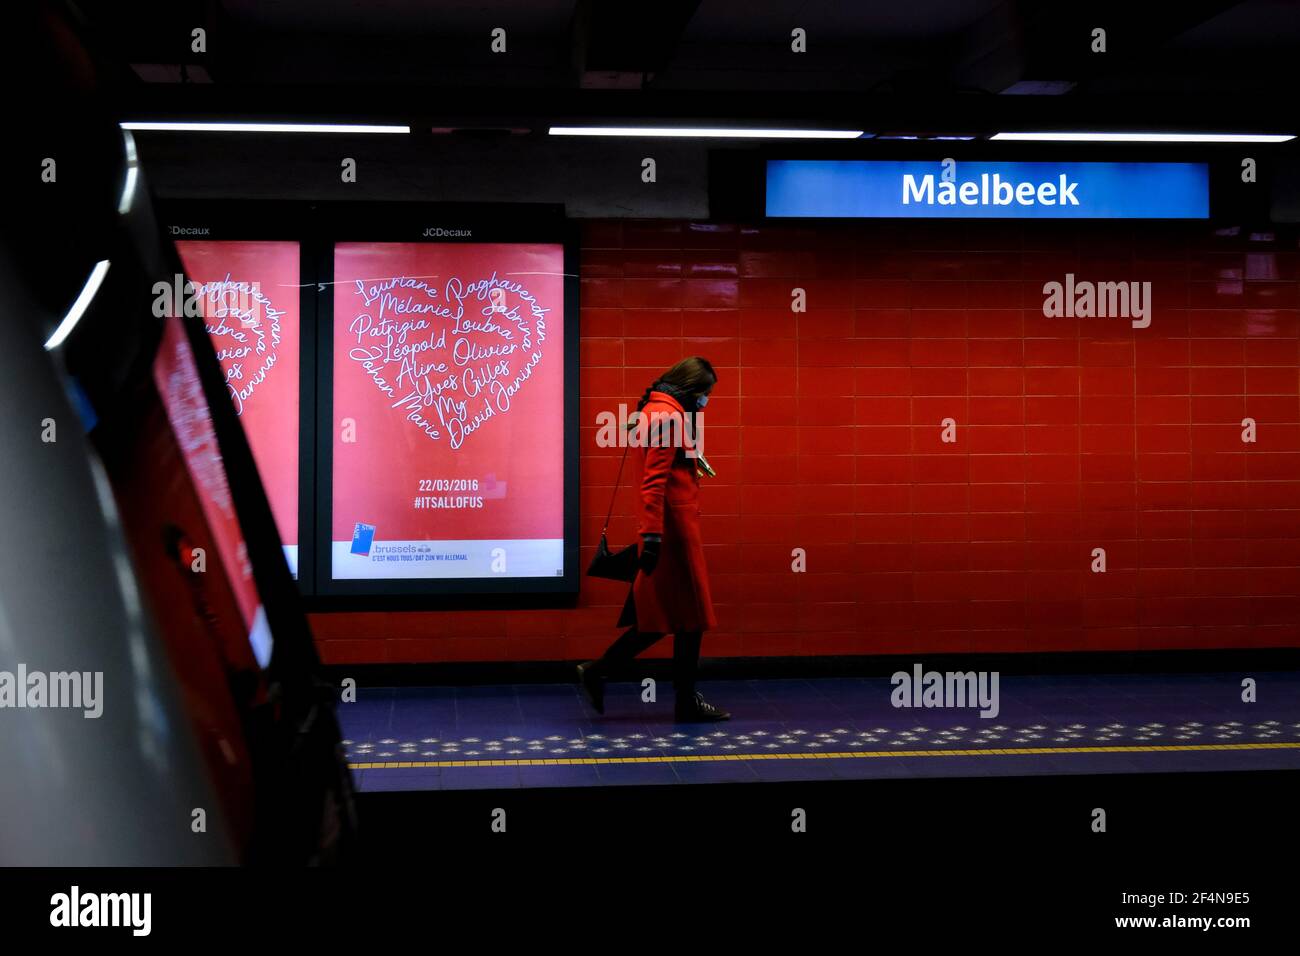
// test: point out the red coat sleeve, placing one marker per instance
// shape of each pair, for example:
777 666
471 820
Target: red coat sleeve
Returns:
658 463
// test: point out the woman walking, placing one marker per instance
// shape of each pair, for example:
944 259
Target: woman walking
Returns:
671 592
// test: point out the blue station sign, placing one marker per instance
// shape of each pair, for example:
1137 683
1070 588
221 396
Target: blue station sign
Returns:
815 188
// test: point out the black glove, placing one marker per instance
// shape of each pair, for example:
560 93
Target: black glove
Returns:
649 554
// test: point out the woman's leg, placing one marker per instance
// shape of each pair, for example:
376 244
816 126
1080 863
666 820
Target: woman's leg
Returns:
593 674
688 705
686 664
629 644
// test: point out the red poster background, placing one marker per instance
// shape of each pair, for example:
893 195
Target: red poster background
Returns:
516 455
268 408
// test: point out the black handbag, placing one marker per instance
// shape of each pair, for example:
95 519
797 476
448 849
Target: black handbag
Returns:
618 565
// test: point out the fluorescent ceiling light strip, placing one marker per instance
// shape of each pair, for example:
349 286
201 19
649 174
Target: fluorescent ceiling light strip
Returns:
185 127
1149 137
132 174
79 307
689 132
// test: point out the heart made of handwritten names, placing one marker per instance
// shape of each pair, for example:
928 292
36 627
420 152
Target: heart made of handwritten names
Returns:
246 330
451 358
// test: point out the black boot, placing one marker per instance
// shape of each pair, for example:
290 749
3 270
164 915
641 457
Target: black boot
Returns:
696 709
592 681
690 706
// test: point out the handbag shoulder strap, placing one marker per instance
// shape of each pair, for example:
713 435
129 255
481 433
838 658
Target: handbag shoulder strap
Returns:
614 494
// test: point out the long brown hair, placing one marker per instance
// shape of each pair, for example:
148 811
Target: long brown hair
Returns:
690 377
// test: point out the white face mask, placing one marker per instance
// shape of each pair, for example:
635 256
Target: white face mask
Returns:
702 401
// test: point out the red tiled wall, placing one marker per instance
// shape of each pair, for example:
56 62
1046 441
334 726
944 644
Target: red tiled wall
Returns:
1073 434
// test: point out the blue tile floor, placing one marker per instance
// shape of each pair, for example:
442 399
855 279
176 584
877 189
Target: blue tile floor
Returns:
545 735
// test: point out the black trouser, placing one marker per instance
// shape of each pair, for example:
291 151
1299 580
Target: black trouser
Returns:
686 656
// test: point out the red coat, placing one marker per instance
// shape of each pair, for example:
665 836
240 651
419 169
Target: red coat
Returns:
675 596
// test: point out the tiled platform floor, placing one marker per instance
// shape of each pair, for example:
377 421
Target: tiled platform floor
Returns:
544 735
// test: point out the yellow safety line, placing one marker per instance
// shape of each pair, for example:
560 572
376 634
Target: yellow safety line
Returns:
683 758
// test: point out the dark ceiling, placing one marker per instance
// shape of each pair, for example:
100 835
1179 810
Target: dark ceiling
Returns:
923 65
1206 46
